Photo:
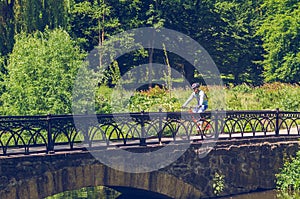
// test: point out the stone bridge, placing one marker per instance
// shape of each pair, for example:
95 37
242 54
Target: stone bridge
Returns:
246 164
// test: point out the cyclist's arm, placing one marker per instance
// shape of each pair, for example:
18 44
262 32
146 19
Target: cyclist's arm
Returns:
188 100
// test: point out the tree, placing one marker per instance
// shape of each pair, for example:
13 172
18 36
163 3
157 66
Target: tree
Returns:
155 20
41 73
28 16
281 37
6 27
92 22
32 15
238 45
96 25
198 20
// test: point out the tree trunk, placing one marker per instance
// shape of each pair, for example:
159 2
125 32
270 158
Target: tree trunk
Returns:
189 72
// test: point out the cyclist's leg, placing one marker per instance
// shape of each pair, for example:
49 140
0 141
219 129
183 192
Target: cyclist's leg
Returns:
195 110
201 123
206 127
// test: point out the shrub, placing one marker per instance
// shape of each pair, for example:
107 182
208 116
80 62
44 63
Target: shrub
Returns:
289 177
266 97
103 100
153 100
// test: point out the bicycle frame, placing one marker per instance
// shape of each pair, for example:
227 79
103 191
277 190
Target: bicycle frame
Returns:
203 126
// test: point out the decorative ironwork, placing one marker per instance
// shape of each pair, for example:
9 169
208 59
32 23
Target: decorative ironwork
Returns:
53 133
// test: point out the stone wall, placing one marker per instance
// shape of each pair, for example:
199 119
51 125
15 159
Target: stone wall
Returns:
247 165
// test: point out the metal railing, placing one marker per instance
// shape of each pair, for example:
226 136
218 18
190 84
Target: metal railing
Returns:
53 133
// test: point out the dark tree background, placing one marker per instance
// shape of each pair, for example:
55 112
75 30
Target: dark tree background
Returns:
251 41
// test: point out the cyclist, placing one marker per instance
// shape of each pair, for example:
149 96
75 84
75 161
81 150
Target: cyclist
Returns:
202 105
201 97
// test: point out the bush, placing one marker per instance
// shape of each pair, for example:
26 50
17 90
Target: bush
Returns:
289 177
153 100
242 97
266 97
103 100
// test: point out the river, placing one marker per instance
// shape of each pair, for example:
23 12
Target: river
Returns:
101 192
272 194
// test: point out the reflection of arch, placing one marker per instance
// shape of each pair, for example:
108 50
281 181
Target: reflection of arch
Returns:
73 178
129 192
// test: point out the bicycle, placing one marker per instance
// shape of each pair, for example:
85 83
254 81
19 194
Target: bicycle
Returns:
203 126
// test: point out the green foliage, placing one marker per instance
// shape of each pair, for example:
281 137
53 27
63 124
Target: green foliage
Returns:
242 88
281 36
238 40
241 97
33 15
113 100
218 183
289 177
92 22
236 33
103 102
41 73
154 15
153 100
265 97
6 27
288 195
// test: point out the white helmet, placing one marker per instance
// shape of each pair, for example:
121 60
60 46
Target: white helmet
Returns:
195 85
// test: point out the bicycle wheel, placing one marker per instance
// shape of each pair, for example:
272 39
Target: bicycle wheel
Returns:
208 130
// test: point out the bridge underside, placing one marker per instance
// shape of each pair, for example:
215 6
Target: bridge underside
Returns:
129 192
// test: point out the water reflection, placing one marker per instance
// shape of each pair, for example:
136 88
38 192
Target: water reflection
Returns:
98 192
272 194
265 195
101 192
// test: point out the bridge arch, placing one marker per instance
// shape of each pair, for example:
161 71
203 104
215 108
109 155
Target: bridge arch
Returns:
54 181
73 178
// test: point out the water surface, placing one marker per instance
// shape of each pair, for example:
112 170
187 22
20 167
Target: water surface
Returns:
101 192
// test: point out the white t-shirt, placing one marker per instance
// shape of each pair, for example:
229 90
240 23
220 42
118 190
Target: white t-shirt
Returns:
200 97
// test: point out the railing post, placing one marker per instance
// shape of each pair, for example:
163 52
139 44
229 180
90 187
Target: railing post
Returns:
50 146
277 122
143 133
216 125
160 127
